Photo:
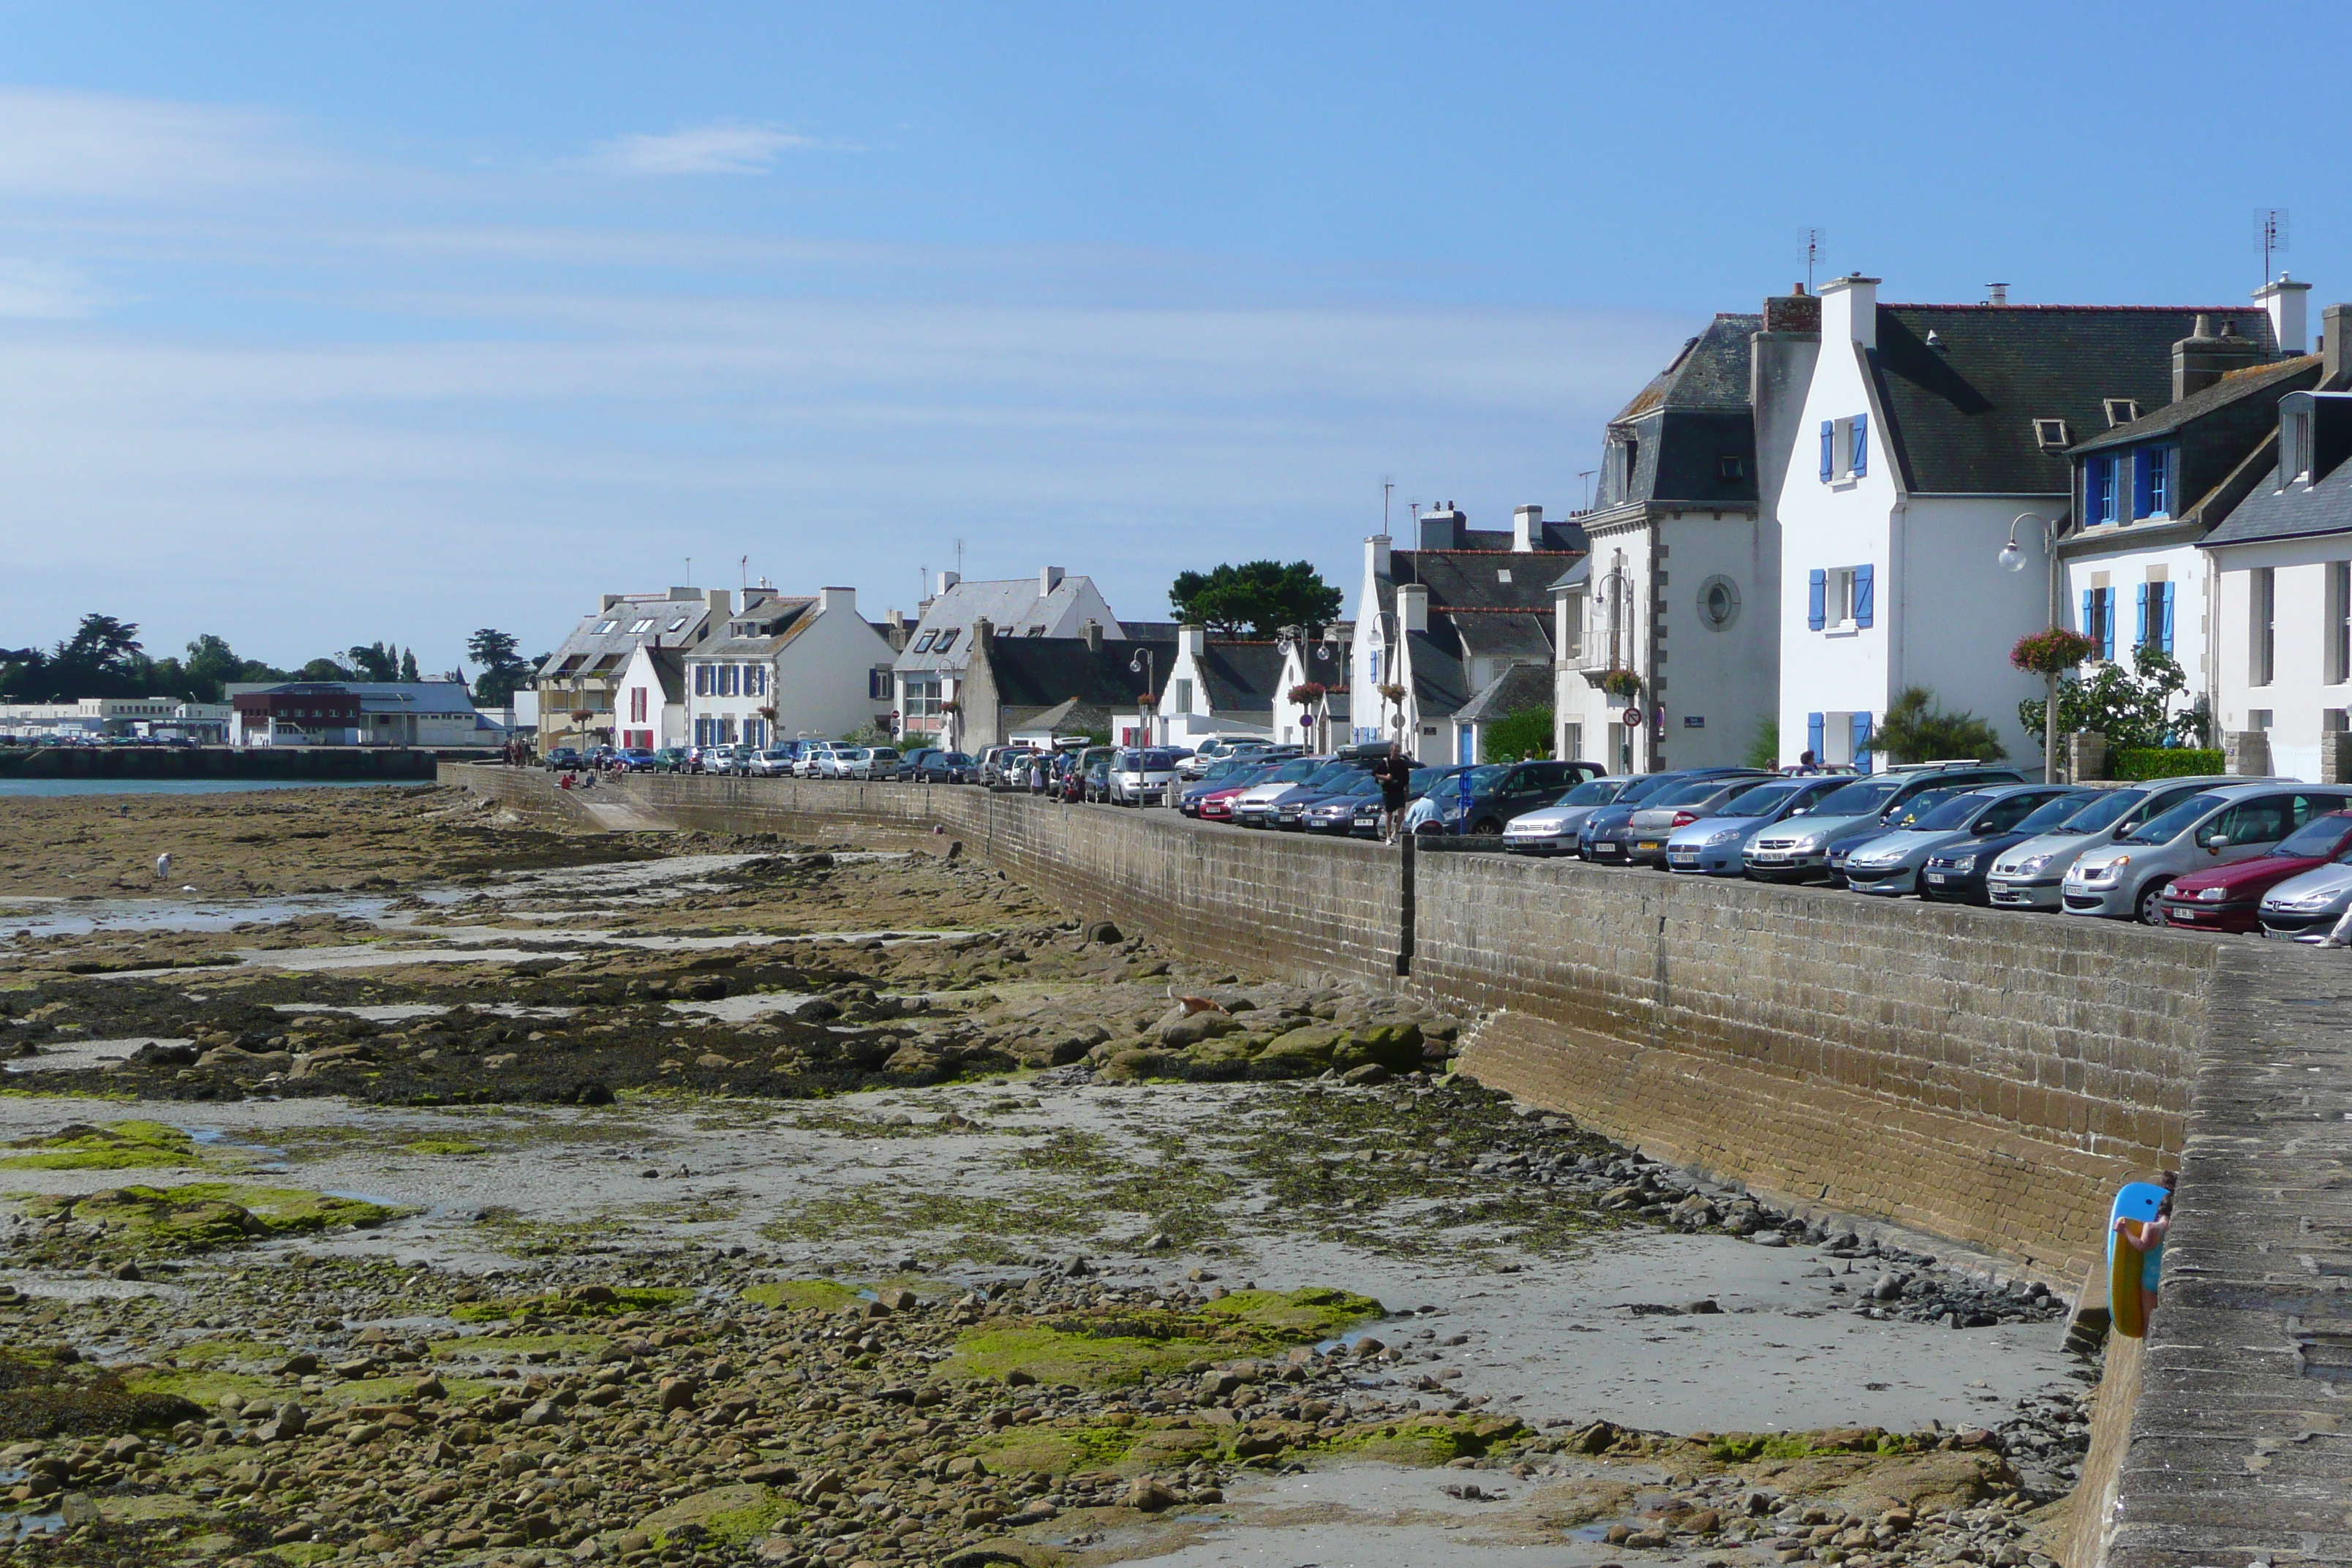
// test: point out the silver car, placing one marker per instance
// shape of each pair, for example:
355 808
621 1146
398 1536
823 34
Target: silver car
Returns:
1711 847
1552 829
837 762
808 766
2306 908
1647 830
1252 805
1816 845
1141 776
2212 828
1889 865
873 761
2028 876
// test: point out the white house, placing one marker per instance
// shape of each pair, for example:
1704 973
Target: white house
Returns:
1307 662
927 676
649 699
784 667
1218 687
1675 613
2281 637
1930 434
1436 625
576 687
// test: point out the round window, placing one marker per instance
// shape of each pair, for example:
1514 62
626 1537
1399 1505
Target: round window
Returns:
1718 602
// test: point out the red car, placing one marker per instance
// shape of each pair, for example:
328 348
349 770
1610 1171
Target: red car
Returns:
2229 898
1217 805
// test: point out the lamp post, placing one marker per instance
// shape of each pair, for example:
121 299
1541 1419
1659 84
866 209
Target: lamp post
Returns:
1144 663
2013 559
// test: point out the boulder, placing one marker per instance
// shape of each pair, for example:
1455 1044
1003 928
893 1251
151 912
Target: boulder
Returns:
1192 1028
1300 1053
1136 1064
1396 1047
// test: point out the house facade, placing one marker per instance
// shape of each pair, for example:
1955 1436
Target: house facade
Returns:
2279 643
649 701
1435 624
926 675
1674 618
578 684
1928 437
1212 686
1026 687
789 667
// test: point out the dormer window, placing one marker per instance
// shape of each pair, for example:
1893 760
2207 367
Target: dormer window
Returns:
2152 482
1730 468
2121 411
2295 446
2051 436
946 639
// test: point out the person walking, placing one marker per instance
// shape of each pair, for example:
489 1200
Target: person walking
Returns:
1395 773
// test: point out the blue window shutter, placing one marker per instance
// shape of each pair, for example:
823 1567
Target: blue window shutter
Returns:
1861 464
2090 614
2142 482
1862 741
1829 458
2169 594
1817 598
2139 636
1865 600
1813 735
2106 623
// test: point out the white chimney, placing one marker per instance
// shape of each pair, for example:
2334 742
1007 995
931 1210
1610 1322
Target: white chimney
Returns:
1196 639
1376 554
830 599
1527 528
2285 300
949 580
1850 310
1048 579
1412 607
1996 293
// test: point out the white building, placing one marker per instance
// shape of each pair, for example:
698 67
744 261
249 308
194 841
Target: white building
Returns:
649 699
577 686
2281 638
927 676
1928 433
429 714
785 667
1320 724
90 717
1217 686
1675 613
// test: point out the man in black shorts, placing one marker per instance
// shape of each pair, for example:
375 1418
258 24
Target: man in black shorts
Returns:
1395 773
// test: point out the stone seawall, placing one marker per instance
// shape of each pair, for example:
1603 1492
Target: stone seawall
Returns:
1989 1078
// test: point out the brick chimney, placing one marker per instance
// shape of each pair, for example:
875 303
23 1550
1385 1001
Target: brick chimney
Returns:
2207 355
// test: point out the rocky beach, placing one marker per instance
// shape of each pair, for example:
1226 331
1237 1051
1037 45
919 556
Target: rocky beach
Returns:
394 1181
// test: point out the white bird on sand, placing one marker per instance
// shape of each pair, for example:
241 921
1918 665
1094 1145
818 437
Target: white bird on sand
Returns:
162 865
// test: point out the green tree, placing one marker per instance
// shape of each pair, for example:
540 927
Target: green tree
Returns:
1764 751
408 665
1917 730
374 661
325 670
1257 597
102 658
1519 735
503 670
2130 710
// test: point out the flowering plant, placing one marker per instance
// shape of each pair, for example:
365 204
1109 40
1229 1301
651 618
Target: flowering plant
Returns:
1306 693
1621 683
2051 652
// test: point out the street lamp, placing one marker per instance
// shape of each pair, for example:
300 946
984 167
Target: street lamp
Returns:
2013 559
1147 666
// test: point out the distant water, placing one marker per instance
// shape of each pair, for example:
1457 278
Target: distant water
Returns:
13 787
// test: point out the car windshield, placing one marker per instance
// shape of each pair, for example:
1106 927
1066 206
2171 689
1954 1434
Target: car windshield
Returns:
1912 813
958 758
2316 840
2050 814
1363 783
1333 776
1867 798
1293 770
1423 780
1645 785
1954 812
1689 794
1485 777
2102 811
1592 792
1757 802
2166 827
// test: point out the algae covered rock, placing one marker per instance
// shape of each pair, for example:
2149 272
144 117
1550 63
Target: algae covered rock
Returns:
1190 1028
1301 1053
1136 1064
1226 1057
1396 1047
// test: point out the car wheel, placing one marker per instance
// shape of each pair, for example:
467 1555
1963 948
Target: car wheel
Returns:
2148 909
1487 827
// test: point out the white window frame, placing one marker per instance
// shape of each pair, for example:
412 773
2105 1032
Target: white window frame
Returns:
1837 601
2261 626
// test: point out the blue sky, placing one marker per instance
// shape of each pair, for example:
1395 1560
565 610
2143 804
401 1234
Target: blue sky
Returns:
326 323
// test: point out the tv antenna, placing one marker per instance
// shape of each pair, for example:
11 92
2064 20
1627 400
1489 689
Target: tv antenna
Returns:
744 564
959 560
1388 488
2272 222
689 571
1813 239
1585 475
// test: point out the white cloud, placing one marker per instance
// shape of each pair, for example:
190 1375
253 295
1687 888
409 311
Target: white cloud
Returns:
81 145
41 290
715 149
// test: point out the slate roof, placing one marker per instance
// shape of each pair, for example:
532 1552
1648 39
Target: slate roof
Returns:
1011 604
1711 371
1438 685
1040 672
1240 676
677 622
1492 636
1473 579
2232 388
669 668
2295 512
1521 686
784 618
1960 415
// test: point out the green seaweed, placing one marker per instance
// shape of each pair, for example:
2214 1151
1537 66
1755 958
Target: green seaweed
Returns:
116 1146
824 1294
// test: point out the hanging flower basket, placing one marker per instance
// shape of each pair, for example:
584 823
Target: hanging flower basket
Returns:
1393 692
1308 693
2052 652
769 711
1621 683
952 706
582 715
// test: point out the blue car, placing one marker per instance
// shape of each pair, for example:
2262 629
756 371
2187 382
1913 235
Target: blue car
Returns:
1711 847
1602 837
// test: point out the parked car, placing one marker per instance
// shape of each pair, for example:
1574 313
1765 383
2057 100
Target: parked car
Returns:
563 760
875 762
1141 776
1217 805
634 759
1336 813
1602 836
2306 909
1956 873
1552 829
805 765
910 761
775 763
1656 819
1216 749
1250 808
836 762
1187 795
999 764
1496 792
2215 827
2230 897
2030 875
1287 811
719 759
1890 865
1815 847
1711 846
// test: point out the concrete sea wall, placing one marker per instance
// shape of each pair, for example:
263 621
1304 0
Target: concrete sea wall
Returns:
1985 1076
